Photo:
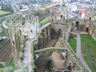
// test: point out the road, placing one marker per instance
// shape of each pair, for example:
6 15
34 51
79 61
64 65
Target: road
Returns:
52 5
4 25
4 17
79 54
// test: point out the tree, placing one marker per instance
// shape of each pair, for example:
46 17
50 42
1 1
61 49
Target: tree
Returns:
37 14
6 7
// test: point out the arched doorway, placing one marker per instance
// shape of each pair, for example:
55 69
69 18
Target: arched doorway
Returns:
77 25
87 29
61 16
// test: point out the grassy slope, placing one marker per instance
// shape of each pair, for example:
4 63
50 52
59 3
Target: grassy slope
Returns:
72 42
44 21
3 12
87 39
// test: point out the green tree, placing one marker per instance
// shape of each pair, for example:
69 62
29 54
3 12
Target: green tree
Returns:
6 7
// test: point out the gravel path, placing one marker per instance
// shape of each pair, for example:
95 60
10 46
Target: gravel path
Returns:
79 54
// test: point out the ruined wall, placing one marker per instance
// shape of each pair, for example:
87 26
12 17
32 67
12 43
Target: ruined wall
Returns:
71 55
93 32
57 14
20 27
88 26
14 35
44 38
58 26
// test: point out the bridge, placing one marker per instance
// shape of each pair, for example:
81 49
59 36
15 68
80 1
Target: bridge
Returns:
52 5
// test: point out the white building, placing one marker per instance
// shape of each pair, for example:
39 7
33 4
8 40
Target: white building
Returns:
83 15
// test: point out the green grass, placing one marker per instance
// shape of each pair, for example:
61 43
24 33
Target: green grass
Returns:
87 42
0 26
12 63
4 33
3 12
0 23
43 8
45 20
72 42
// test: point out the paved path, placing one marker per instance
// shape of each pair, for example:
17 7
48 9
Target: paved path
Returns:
79 54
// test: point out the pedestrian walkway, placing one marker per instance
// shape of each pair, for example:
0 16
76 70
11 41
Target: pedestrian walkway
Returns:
79 54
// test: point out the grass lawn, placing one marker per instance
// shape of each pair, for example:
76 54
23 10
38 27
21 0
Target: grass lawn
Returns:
3 12
88 43
72 42
44 21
